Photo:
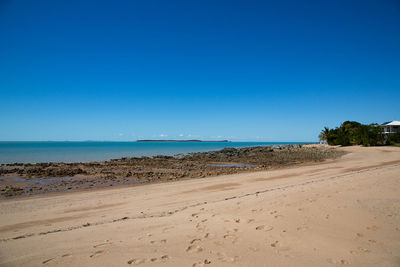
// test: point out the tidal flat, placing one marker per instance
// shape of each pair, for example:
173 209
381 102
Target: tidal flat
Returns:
22 179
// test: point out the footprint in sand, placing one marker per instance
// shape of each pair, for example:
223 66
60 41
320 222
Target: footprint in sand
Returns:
275 244
102 244
46 261
265 228
230 236
359 251
165 257
200 227
136 261
106 242
200 264
97 253
250 220
194 248
195 240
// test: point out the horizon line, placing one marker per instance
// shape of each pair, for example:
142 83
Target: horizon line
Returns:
155 140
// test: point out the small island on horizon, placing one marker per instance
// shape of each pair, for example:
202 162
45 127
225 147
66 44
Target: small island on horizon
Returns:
192 140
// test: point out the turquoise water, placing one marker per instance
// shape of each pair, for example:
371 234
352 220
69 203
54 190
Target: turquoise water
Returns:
34 152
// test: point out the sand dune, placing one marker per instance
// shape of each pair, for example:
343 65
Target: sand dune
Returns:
339 212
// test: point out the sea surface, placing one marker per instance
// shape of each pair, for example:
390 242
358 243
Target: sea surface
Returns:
34 152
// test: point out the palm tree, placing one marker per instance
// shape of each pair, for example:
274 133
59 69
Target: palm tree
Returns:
323 135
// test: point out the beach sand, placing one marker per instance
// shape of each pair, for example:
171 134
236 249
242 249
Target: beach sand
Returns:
340 212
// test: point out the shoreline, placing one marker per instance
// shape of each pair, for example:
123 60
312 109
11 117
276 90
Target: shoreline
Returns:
74 152
160 182
31 179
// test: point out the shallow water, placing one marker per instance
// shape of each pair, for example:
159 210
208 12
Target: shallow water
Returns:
41 181
12 179
34 152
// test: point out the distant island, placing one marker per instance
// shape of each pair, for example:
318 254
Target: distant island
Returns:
219 141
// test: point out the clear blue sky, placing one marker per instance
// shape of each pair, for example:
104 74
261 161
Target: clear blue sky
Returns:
240 70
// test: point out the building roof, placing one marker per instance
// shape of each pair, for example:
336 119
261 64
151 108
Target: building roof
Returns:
391 123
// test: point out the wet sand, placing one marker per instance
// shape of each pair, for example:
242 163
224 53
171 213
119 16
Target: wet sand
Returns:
338 212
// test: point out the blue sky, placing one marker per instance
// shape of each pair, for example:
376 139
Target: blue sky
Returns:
238 70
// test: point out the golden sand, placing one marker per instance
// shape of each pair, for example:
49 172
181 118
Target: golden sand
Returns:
339 212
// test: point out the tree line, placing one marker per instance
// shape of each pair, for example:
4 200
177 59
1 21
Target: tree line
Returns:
355 133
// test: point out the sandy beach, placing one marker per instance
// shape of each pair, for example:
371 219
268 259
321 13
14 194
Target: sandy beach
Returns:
342 211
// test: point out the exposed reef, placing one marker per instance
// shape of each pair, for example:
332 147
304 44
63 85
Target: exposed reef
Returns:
27 179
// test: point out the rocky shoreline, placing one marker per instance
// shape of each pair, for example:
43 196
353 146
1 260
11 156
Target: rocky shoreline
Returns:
19 179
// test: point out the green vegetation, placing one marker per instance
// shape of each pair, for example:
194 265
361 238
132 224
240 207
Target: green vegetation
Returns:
354 133
394 139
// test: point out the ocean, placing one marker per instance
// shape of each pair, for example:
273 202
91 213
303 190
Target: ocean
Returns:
35 152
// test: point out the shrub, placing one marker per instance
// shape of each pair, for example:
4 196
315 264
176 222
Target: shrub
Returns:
353 133
394 139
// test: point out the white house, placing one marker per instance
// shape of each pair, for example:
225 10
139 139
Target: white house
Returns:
391 127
